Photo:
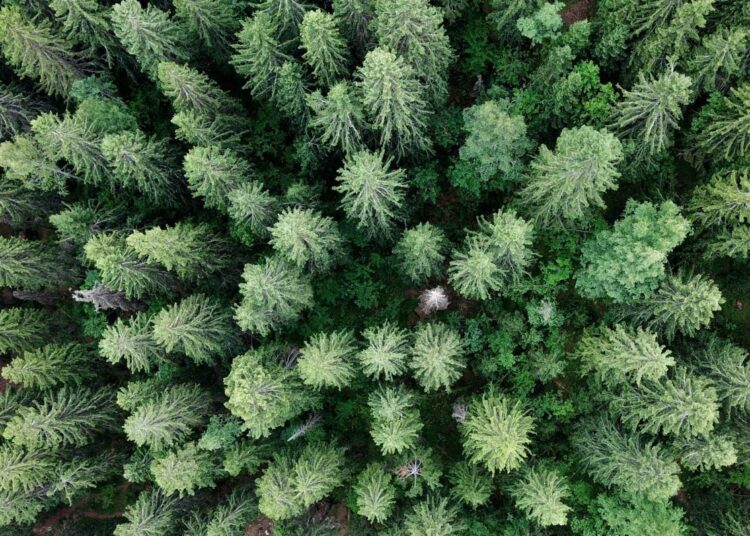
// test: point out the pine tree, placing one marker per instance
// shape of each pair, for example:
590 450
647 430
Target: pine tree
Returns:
627 262
470 484
148 34
32 265
395 419
306 239
213 173
496 432
35 52
622 355
325 50
252 208
153 512
273 294
184 470
259 55
394 101
727 134
433 517
192 251
413 30
25 470
51 365
496 142
653 109
22 329
63 418
682 405
540 494
726 365
375 493
131 340
169 417
724 200
339 117
213 21
421 253
87 22
264 393
373 196
386 352
437 356
683 303
566 184
626 460
497 254
327 360
199 327
705 453
122 268
144 164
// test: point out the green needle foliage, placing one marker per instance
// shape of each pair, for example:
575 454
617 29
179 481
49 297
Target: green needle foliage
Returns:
386 353
132 341
184 470
327 360
31 265
376 494
338 118
22 329
50 366
212 21
471 484
437 359
395 419
728 132
726 365
421 252
259 55
433 517
540 494
325 50
307 239
213 173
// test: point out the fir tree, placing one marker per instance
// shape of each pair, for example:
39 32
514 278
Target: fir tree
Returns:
719 58
51 365
726 365
277 497
192 91
22 329
325 50
169 417
212 21
421 253
373 196
252 208
704 453
339 117
19 206
540 494
727 133
32 265
25 469
496 432
87 22
386 352
19 507
233 515
437 356
433 517
27 164
132 341
566 184
153 512
394 100
198 326
184 470
395 419
470 484
724 200
80 222
17 109
327 360
307 239
259 55
291 92
354 17
148 34
375 493
285 14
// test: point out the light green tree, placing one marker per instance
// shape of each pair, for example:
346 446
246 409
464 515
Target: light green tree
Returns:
354 17
539 494
184 470
192 91
338 118
434 516
437 357
51 365
252 208
326 51
290 95
496 432
726 365
395 103
376 495
25 469
154 512
17 109
287 15
213 173
542 25
327 360
307 239
231 516
719 58
470 484
131 340
33 265
87 22
22 329
627 262
373 196
724 200
727 134
386 353
395 419
26 163
212 21
421 253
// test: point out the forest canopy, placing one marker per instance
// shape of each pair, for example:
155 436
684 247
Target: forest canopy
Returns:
374 267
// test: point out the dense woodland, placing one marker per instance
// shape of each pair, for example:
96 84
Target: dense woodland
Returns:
375 267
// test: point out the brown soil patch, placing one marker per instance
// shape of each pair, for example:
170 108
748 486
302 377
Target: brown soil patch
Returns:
262 527
575 11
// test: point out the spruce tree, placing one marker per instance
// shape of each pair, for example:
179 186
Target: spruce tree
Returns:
437 359
727 133
199 326
26 163
724 200
421 253
88 23
720 58
131 340
373 196
539 494
212 21
470 484
291 92
22 329
726 365
51 365
395 419
17 109
233 515
213 173
338 118
285 14
191 90
252 208
154 512
386 353
184 470
325 50
327 360
375 493
306 239
434 516
354 18
25 470
32 265
705 453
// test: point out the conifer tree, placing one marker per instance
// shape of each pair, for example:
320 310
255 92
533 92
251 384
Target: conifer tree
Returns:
135 393
264 393
496 141
375 493
191 90
259 54
32 265
395 419
233 515
80 222
421 253
212 21
131 340
540 494
19 507
122 268
719 58
339 117
252 208
212 173
683 406
142 163
373 196
437 356
566 184
413 30
704 453
627 262
726 365
433 516
148 34
622 355
277 497
386 352
626 460
724 200
153 512
192 251
306 239
51 365
32 48
327 360
354 17
291 92
87 22
82 474
169 417
394 101
25 469
10 401
496 432
273 294
19 206
727 133
194 128
17 109
198 326
184 470
63 418
471 484
286 15
653 108
325 50
22 329
26 163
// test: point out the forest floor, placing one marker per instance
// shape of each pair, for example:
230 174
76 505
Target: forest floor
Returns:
578 10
